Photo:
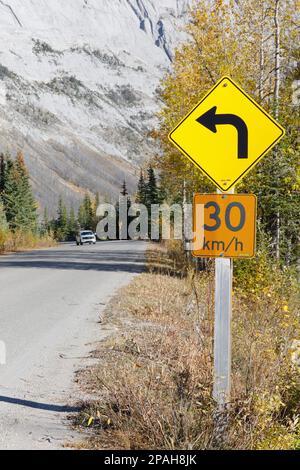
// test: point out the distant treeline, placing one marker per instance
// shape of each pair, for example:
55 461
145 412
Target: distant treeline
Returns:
68 221
19 219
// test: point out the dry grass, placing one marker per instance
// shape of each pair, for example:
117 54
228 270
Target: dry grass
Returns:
153 382
20 241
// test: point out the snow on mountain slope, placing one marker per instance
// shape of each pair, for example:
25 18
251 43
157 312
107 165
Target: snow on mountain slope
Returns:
77 88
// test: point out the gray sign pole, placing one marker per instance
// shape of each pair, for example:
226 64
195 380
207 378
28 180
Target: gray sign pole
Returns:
222 330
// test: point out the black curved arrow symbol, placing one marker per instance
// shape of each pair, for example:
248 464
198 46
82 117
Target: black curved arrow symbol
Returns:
210 120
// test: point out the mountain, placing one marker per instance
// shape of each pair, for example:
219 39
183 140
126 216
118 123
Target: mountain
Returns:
78 88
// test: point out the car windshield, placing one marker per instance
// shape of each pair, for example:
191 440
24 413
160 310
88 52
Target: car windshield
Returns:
85 234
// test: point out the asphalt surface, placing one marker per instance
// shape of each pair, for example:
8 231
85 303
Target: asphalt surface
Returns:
50 305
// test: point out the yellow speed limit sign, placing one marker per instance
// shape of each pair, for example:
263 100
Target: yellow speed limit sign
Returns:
224 225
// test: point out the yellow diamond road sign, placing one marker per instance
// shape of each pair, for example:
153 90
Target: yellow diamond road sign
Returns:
226 134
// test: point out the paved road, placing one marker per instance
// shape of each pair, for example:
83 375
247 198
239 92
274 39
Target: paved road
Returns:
50 302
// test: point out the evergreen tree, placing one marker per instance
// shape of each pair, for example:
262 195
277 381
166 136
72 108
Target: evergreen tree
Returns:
72 225
124 191
123 194
45 226
81 216
2 173
61 229
3 221
152 195
89 212
141 197
28 216
86 214
10 192
3 226
162 194
19 203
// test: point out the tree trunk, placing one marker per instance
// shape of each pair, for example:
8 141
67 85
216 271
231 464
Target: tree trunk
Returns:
261 55
277 59
276 109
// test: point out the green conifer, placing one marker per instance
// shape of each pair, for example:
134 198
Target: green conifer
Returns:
61 229
19 203
72 225
141 197
152 195
86 214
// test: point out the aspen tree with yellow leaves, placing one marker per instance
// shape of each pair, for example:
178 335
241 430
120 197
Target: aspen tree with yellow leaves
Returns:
254 42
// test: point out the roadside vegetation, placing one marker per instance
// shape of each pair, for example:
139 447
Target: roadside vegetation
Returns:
19 226
152 384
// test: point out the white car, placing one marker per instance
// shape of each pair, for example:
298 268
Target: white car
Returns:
86 236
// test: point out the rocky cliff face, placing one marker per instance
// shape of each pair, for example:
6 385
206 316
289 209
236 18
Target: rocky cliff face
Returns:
78 82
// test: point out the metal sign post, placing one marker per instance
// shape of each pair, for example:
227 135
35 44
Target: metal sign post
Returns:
222 330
